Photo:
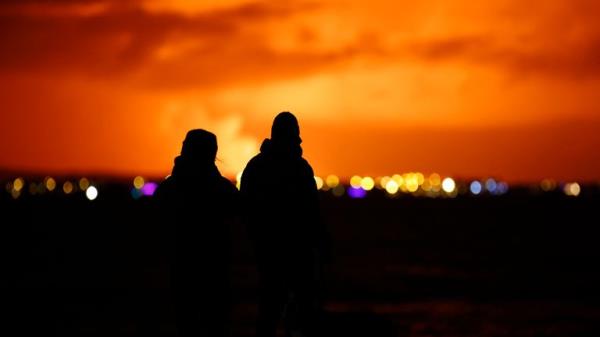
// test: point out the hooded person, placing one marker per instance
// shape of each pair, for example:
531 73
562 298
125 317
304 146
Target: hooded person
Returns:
281 210
196 203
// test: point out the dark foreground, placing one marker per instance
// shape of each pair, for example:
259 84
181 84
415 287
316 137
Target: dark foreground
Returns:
516 265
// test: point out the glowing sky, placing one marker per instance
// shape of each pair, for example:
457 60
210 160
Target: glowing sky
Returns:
464 88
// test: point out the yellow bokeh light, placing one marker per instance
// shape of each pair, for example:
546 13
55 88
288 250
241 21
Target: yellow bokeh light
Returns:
391 187
398 179
332 181
383 182
420 178
448 185
411 181
18 184
355 181
426 185
548 185
15 194
319 182
67 187
435 180
367 183
138 182
50 184
84 183
572 189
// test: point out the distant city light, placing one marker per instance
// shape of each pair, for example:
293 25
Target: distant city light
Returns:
367 183
338 190
420 178
383 182
426 185
572 189
135 193
50 183
319 182
411 180
475 187
435 180
356 193
84 183
91 192
138 182
355 181
502 188
398 179
18 184
491 185
548 185
332 181
67 187
392 187
448 185
149 188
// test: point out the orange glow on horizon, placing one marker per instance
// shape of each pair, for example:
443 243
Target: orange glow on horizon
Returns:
467 90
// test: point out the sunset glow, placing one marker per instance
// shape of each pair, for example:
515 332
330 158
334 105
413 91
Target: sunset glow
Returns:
467 89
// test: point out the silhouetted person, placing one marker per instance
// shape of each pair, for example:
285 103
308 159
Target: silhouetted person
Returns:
281 208
195 202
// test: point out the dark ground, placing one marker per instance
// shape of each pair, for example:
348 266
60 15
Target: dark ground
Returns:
515 265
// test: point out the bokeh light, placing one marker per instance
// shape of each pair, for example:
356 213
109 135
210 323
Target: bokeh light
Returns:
548 185
138 182
435 180
84 183
367 183
491 185
383 182
67 187
411 180
319 182
149 188
391 187
50 183
398 179
572 189
18 184
475 187
502 188
356 193
448 185
91 192
332 181
420 178
355 181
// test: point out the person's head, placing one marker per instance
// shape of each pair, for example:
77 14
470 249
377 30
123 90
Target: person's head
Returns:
200 145
285 129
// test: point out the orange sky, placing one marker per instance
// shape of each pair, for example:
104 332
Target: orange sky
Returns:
464 88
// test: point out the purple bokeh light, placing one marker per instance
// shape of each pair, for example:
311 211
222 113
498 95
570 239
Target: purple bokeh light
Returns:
356 193
149 188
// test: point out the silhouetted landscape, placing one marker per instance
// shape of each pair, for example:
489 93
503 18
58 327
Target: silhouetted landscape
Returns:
520 264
